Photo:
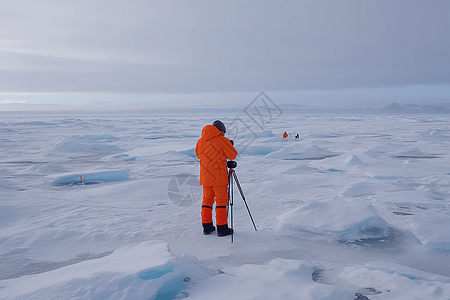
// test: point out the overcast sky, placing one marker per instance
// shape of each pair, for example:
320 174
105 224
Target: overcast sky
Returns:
296 50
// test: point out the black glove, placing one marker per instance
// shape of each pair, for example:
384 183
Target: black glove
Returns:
232 142
231 164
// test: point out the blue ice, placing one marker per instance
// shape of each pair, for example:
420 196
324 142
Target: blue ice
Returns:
335 170
155 273
173 284
189 152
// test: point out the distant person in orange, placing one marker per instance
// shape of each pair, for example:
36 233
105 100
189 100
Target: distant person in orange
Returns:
213 149
285 135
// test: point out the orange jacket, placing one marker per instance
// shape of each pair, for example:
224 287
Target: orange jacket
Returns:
285 135
213 149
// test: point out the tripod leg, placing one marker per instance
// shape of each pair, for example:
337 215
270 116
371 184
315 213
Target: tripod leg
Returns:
230 200
243 198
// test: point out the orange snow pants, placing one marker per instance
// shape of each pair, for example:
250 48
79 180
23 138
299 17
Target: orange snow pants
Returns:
219 194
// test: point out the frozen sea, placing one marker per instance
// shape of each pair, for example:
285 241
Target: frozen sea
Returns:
107 206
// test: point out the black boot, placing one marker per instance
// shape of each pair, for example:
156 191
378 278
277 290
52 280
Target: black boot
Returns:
208 228
224 230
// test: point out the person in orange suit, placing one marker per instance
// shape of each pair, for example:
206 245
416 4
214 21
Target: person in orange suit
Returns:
285 135
213 149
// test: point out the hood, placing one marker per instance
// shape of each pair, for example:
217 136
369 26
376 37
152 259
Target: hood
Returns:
210 131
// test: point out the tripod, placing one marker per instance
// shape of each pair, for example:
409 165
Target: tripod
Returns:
232 175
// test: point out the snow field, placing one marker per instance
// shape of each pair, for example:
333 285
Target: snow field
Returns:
358 205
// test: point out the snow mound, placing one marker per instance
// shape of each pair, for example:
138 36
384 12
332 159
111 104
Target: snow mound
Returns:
349 221
301 152
267 133
144 271
279 279
435 135
89 177
353 160
361 189
392 281
428 229
352 163
412 152
44 169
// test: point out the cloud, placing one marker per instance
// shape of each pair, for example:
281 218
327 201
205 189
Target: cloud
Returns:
10 101
176 47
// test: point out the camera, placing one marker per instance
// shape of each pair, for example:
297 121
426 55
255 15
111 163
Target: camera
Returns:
231 164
